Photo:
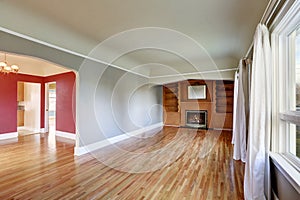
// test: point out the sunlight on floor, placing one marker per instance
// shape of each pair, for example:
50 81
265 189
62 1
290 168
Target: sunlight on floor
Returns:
52 127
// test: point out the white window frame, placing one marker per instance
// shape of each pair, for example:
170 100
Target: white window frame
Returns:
282 45
281 79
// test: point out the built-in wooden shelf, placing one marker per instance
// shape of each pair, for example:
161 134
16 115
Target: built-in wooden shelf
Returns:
224 96
171 97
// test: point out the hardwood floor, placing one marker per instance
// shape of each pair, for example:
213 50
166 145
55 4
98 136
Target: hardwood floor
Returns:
40 167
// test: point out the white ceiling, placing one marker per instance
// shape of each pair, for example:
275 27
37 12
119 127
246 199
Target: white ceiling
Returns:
33 66
186 36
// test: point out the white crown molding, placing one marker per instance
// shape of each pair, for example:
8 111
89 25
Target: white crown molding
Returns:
196 73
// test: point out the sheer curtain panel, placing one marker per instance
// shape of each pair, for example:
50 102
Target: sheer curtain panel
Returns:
259 116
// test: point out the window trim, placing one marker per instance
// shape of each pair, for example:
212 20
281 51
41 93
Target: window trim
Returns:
291 174
293 160
280 38
291 117
281 33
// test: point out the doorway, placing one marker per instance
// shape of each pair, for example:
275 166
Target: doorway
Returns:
29 103
50 114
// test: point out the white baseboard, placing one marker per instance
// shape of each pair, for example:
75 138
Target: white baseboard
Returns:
172 126
34 130
43 130
222 129
71 136
78 151
6 136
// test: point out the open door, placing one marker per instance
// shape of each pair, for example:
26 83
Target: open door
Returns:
50 107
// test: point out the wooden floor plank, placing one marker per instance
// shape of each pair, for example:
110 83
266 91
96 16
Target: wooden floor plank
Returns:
38 167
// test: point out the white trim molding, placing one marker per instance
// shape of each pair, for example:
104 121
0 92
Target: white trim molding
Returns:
71 136
283 79
43 130
5 136
288 171
78 151
34 130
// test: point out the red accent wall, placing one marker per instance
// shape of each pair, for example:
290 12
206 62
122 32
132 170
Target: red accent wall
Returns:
65 100
8 103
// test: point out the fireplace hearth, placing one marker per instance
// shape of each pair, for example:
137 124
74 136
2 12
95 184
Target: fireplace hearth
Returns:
196 118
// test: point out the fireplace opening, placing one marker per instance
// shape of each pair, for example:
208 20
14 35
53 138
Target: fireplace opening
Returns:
196 118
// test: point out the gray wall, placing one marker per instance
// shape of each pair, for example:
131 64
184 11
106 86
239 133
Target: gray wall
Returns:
14 44
110 101
113 102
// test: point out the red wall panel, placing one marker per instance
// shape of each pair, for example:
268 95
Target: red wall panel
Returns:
8 103
65 101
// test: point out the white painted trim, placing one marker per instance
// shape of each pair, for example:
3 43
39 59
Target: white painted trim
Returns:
287 23
78 151
287 170
71 136
5 136
43 130
281 92
222 129
169 125
34 130
77 109
196 73
46 107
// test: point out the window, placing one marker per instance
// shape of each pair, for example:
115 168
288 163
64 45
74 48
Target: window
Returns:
293 127
286 87
286 92
295 139
290 114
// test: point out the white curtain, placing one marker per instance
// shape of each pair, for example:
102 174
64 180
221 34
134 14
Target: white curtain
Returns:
239 115
259 116
236 90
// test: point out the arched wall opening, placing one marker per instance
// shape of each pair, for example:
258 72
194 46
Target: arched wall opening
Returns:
35 70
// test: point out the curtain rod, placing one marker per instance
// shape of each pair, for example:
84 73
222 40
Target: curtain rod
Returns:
265 19
269 12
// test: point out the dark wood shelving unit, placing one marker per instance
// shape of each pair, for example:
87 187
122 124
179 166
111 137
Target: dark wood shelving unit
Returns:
171 97
224 96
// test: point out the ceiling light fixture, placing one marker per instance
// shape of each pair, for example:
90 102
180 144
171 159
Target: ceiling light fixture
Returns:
6 68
